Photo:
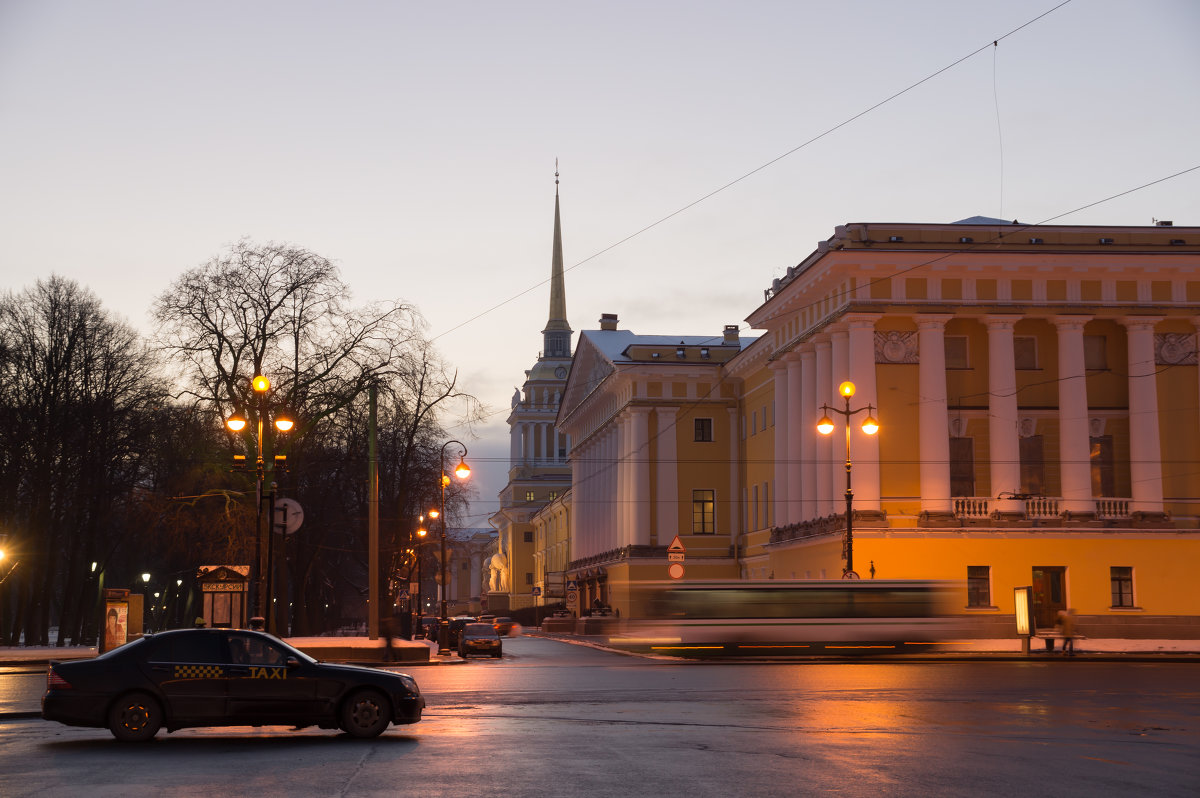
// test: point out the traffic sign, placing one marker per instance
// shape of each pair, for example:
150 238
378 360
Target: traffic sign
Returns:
676 545
674 556
572 598
572 585
288 515
675 570
402 595
537 591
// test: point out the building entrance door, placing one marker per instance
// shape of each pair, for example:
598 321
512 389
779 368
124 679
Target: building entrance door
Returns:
1049 594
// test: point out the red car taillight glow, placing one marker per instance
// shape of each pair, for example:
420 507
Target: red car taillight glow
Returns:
56 682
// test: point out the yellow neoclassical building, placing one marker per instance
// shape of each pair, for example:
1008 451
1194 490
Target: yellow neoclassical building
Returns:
1038 397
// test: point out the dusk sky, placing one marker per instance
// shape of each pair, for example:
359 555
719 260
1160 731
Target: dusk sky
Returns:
414 144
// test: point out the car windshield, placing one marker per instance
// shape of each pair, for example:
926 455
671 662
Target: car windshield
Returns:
479 630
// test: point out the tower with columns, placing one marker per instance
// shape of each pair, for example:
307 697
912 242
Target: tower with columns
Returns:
538 470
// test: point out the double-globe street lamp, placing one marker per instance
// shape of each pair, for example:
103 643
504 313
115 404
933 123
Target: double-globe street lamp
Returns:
462 471
283 423
869 426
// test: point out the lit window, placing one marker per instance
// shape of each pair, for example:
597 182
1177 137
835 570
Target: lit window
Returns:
528 495
979 585
1122 585
703 512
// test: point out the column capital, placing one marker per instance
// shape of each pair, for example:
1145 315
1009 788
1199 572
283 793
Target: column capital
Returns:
1139 322
861 319
1070 322
932 321
779 364
1001 322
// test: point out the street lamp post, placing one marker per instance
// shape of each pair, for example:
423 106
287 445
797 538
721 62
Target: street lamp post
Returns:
283 422
869 426
419 614
462 471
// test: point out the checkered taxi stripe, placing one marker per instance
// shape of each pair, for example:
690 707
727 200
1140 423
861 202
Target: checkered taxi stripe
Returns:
199 671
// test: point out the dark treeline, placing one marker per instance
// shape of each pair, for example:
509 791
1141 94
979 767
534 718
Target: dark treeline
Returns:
113 449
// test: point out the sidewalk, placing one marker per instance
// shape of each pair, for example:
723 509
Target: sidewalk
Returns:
366 651
356 650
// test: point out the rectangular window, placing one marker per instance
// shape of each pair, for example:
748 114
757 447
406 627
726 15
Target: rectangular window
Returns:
979 585
528 495
767 504
754 423
754 507
1033 466
1095 352
528 578
553 495
704 429
529 536
764 418
1122 585
1025 352
962 466
704 513
1103 483
956 352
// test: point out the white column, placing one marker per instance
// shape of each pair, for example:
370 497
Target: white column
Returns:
789 491
1145 448
823 463
666 496
610 490
640 494
514 443
733 504
839 362
933 419
1074 442
806 427
783 453
1003 437
624 479
864 448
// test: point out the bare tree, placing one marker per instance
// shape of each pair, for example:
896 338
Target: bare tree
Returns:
283 311
77 394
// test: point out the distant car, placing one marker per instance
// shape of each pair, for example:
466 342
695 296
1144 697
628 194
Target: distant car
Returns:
479 638
504 626
429 626
456 626
223 677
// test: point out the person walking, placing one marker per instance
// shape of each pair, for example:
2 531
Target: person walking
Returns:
1066 626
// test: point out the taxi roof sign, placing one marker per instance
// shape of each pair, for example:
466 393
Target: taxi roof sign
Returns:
676 544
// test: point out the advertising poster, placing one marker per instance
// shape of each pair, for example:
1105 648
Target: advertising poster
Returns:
116 619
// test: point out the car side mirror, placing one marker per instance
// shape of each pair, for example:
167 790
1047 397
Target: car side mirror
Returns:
293 662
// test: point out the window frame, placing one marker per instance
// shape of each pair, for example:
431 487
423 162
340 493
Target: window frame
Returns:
979 587
703 430
704 511
1121 587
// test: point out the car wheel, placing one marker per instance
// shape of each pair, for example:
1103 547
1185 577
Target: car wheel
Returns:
366 714
135 718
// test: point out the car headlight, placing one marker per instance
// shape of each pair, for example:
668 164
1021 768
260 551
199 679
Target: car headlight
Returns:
410 683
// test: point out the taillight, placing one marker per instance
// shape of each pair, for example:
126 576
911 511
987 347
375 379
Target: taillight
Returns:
56 682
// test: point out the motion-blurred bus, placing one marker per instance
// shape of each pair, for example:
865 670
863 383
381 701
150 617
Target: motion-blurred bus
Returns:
777 617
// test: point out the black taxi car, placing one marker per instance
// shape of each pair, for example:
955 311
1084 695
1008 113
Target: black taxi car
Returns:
223 677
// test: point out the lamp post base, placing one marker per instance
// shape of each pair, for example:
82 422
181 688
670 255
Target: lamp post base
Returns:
444 638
